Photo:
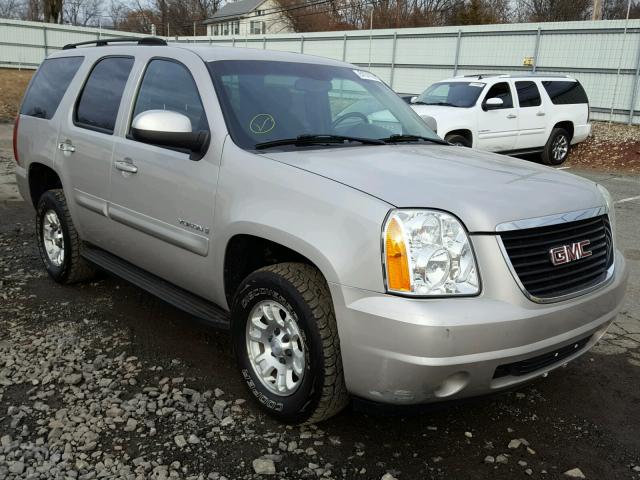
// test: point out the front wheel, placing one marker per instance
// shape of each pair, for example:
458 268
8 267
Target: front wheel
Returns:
557 148
458 140
286 343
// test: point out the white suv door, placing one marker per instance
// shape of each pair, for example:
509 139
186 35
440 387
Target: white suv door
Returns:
532 119
498 124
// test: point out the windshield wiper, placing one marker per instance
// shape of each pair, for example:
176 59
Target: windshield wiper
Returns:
398 138
317 139
420 102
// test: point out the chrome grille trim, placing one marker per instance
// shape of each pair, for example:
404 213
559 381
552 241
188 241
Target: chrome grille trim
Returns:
550 220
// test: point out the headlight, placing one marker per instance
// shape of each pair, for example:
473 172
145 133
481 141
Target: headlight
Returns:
608 200
428 253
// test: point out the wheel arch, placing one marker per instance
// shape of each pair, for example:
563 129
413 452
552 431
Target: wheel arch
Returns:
249 250
566 125
464 132
42 178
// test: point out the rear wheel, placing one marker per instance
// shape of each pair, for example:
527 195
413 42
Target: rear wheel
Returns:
286 343
557 148
458 140
58 240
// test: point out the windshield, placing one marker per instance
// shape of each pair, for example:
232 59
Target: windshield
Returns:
268 101
452 94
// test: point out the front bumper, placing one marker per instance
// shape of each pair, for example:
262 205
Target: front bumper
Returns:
408 351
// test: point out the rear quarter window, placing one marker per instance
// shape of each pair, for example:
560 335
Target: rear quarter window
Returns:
49 86
565 93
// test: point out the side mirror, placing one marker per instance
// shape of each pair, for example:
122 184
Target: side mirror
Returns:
169 129
414 99
493 103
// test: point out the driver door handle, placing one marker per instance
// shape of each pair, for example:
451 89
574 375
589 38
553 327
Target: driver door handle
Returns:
126 166
66 147
512 115
540 114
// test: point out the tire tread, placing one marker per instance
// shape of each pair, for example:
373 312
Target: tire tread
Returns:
312 286
78 269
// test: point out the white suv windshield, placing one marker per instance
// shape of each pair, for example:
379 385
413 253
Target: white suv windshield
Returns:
451 94
269 101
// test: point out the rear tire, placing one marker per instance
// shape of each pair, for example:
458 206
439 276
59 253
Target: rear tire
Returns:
458 140
284 327
58 241
557 148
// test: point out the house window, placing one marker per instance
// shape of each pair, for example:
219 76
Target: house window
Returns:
257 28
225 28
236 28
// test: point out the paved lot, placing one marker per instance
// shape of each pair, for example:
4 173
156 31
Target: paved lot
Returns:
104 381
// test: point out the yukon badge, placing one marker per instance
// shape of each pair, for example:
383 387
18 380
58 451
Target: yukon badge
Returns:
193 226
569 253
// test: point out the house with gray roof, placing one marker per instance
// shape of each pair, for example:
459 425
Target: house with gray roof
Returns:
248 17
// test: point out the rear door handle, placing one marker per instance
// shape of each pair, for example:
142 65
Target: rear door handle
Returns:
512 115
126 166
66 147
540 114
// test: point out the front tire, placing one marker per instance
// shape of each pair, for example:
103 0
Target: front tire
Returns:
458 140
286 343
58 241
557 148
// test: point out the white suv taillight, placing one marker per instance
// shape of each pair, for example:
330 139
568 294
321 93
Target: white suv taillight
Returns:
15 139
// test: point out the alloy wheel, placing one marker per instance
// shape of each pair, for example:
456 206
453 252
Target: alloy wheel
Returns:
275 347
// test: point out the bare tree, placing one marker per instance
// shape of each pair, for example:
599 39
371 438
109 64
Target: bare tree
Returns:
82 12
356 14
52 10
170 17
33 10
617 9
12 9
553 10
479 12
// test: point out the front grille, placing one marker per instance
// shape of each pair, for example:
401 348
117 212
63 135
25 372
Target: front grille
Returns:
530 365
529 253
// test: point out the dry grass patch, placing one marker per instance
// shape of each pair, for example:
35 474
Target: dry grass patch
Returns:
12 86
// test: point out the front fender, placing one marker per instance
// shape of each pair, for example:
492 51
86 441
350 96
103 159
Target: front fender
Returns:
335 226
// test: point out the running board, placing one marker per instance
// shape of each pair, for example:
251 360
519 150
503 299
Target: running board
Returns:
176 296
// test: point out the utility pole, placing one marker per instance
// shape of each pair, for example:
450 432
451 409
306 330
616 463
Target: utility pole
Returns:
596 14
370 35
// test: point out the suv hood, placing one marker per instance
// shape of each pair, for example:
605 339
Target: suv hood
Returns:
483 189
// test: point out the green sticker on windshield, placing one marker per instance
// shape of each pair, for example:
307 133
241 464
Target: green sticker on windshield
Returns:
262 123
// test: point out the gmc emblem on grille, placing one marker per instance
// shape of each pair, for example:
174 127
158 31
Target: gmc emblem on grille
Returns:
569 253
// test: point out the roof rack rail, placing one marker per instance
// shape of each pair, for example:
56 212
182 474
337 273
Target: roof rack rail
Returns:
483 75
103 42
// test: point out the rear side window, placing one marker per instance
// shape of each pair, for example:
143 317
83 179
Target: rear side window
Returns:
49 86
501 90
528 94
168 85
565 93
99 101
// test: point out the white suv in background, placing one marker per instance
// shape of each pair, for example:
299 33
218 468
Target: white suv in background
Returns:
511 114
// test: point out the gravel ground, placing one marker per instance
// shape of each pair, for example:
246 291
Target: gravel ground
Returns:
610 147
102 380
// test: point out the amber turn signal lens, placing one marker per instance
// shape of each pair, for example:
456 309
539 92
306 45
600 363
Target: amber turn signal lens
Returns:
397 260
